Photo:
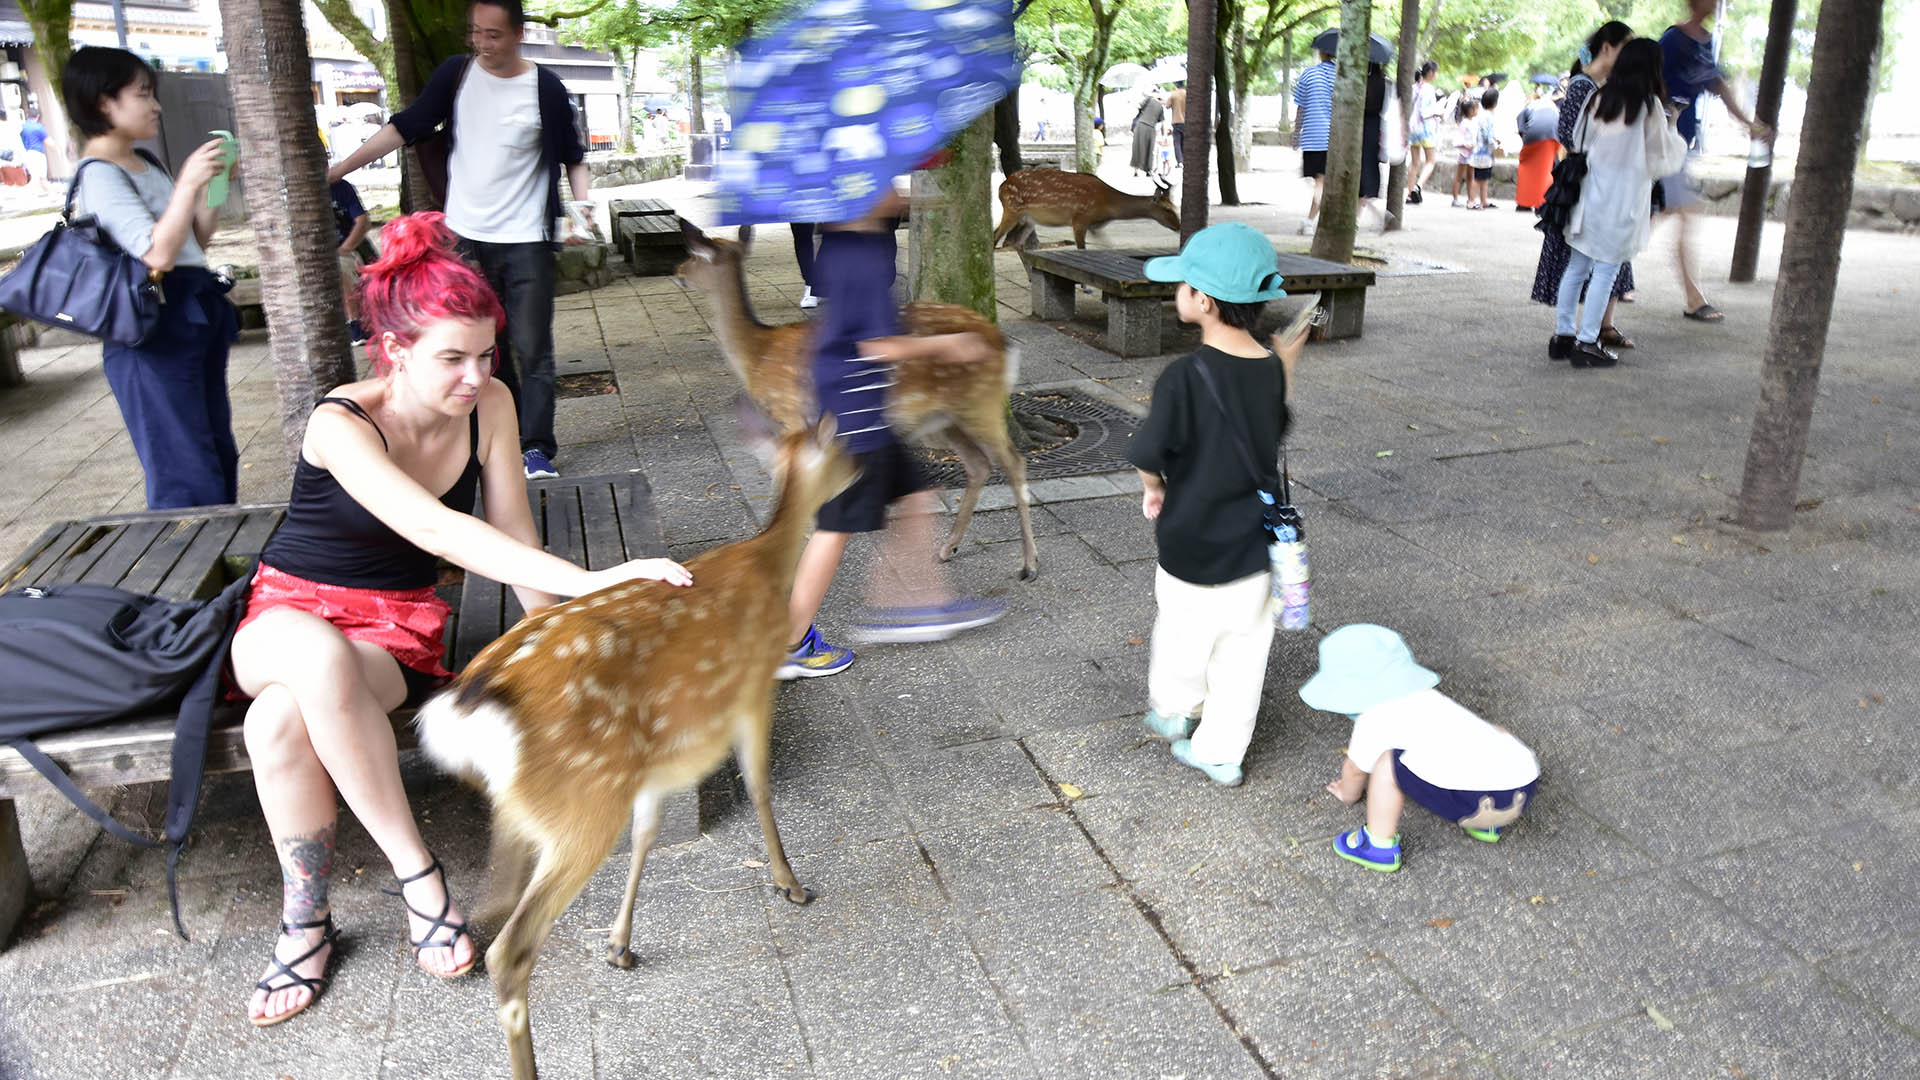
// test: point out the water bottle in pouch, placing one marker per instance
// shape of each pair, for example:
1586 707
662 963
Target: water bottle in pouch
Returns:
1287 552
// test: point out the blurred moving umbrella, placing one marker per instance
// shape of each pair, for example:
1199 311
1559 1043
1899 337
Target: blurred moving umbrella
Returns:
1379 49
1547 80
1123 76
1497 78
1168 69
659 102
838 100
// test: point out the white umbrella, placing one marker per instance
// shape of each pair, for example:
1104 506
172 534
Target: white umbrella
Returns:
1168 69
1123 76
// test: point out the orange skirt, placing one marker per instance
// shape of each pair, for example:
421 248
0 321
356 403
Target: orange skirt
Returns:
1536 172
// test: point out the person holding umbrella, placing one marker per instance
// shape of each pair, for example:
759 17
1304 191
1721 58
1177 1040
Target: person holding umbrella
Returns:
1146 128
1313 121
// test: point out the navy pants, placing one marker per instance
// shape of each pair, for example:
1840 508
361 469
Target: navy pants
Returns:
803 253
172 391
523 276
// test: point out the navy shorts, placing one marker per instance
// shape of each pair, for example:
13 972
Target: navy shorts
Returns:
1449 803
886 476
1313 163
1483 174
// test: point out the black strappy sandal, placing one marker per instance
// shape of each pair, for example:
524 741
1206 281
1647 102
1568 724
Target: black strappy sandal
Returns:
440 922
316 986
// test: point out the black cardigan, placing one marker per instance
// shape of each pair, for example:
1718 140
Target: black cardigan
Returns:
559 138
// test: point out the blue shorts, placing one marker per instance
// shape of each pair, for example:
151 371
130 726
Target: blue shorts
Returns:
1449 803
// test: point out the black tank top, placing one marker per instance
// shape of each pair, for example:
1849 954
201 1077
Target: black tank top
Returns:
329 538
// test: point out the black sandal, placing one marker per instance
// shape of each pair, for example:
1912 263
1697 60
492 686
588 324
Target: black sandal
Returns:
315 986
440 922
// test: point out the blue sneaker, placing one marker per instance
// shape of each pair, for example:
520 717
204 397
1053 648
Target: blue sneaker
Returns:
1358 847
813 658
539 465
901 624
356 332
1225 775
1169 728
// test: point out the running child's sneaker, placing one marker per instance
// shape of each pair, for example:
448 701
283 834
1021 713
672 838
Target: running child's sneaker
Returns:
904 624
814 657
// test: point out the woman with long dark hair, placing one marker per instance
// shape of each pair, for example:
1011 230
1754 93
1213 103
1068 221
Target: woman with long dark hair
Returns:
1627 133
1590 68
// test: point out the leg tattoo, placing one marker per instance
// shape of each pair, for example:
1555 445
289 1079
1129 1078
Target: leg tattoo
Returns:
306 865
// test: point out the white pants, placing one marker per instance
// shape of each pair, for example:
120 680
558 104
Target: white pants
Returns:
1210 659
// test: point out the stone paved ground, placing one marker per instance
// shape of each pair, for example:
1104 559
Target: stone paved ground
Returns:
1716 879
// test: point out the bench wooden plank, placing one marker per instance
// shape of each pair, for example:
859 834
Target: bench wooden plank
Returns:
80 558
160 559
640 527
46 552
601 524
194 575
125 550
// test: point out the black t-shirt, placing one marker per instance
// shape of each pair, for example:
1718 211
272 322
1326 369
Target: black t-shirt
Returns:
1209 530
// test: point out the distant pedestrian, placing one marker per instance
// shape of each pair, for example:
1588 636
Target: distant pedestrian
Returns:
1538 124
1689 71
1410 740
1424 131
1627 132
1146 130
511 125
1177 116
33 140
1591 67
172 390
1466 141
1312 126
803 253
1211 410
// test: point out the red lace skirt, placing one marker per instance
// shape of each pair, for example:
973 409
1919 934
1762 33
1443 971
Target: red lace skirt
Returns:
411 624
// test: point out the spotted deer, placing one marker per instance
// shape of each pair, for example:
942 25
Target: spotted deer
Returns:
1050 197
587 714
959 406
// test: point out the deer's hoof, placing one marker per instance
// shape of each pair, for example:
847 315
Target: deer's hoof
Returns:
621 957
1028 573
798 894
949 551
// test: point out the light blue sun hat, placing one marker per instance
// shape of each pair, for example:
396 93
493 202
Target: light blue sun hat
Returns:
1231 261
1363 665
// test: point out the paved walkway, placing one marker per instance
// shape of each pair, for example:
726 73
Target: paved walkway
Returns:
1717 878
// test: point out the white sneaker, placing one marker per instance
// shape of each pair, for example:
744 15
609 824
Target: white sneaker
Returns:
1306 227
807 299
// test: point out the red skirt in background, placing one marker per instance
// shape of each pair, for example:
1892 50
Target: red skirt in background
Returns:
1535 173
411 624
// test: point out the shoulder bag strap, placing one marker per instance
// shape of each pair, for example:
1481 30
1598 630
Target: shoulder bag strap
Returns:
1242 441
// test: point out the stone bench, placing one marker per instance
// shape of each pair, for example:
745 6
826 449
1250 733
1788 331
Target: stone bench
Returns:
1133 302
652 243
597 521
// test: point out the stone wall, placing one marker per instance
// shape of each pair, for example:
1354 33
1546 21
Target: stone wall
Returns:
635 168
580 267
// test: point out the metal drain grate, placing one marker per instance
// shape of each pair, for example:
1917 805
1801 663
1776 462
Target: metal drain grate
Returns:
587 384
1098 445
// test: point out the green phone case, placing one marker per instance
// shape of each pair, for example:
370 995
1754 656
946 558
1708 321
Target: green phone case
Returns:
217 187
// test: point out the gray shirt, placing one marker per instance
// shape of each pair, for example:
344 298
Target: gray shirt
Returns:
128 204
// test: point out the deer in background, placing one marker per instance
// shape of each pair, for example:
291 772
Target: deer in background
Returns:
1050 197
959 406
586 715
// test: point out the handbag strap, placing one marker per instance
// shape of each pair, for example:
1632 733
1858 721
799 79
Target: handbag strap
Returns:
1243 442
73 185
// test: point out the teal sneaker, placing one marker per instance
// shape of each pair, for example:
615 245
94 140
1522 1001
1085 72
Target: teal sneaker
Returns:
1169 728
1490 836
1358 847
814 657
1224 775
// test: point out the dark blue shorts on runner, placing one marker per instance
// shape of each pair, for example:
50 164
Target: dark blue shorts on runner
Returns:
886 475
1450 803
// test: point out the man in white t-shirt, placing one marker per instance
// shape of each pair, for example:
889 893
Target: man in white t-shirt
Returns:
1412 741
511 128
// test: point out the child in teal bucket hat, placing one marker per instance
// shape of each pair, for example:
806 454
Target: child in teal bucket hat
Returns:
1412 741
1214 625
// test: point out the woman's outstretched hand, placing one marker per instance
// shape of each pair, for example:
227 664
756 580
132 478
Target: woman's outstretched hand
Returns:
641 570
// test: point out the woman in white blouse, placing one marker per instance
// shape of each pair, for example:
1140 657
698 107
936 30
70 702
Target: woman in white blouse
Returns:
1629 139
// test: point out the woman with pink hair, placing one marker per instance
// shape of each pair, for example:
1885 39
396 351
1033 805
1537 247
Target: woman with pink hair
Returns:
342 623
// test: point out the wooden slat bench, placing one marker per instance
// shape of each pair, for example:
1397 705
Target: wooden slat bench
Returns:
652 243
600 521
1133 302
626 208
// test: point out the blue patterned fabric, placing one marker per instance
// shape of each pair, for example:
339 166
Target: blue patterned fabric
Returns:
846 95
1313 94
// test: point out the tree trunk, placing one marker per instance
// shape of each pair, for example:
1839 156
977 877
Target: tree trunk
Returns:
1339 206
1223 119
1242 81
1006 131
340 15
269 71
415 195
624 144
1766 110
696 90
1403 70
1242 126
1086 152
52 25
1202 40
1837 93
951 235
433 31
1286 83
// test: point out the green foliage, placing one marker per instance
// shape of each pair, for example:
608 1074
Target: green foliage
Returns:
707 25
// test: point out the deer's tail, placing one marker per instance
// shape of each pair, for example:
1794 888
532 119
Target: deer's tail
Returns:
1013 364
478 740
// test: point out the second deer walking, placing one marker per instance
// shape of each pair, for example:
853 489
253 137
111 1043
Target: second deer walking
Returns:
586 716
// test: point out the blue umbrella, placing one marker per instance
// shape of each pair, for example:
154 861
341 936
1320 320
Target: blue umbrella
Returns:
659 102
1547 80
837 101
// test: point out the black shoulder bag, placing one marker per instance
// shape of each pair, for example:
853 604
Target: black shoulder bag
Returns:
77 278
1569 173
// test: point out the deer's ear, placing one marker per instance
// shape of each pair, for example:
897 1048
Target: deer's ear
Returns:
826 429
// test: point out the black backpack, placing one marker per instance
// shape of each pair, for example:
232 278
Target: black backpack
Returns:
72 656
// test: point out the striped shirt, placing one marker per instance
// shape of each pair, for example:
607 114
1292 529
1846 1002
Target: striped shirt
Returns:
1313 96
